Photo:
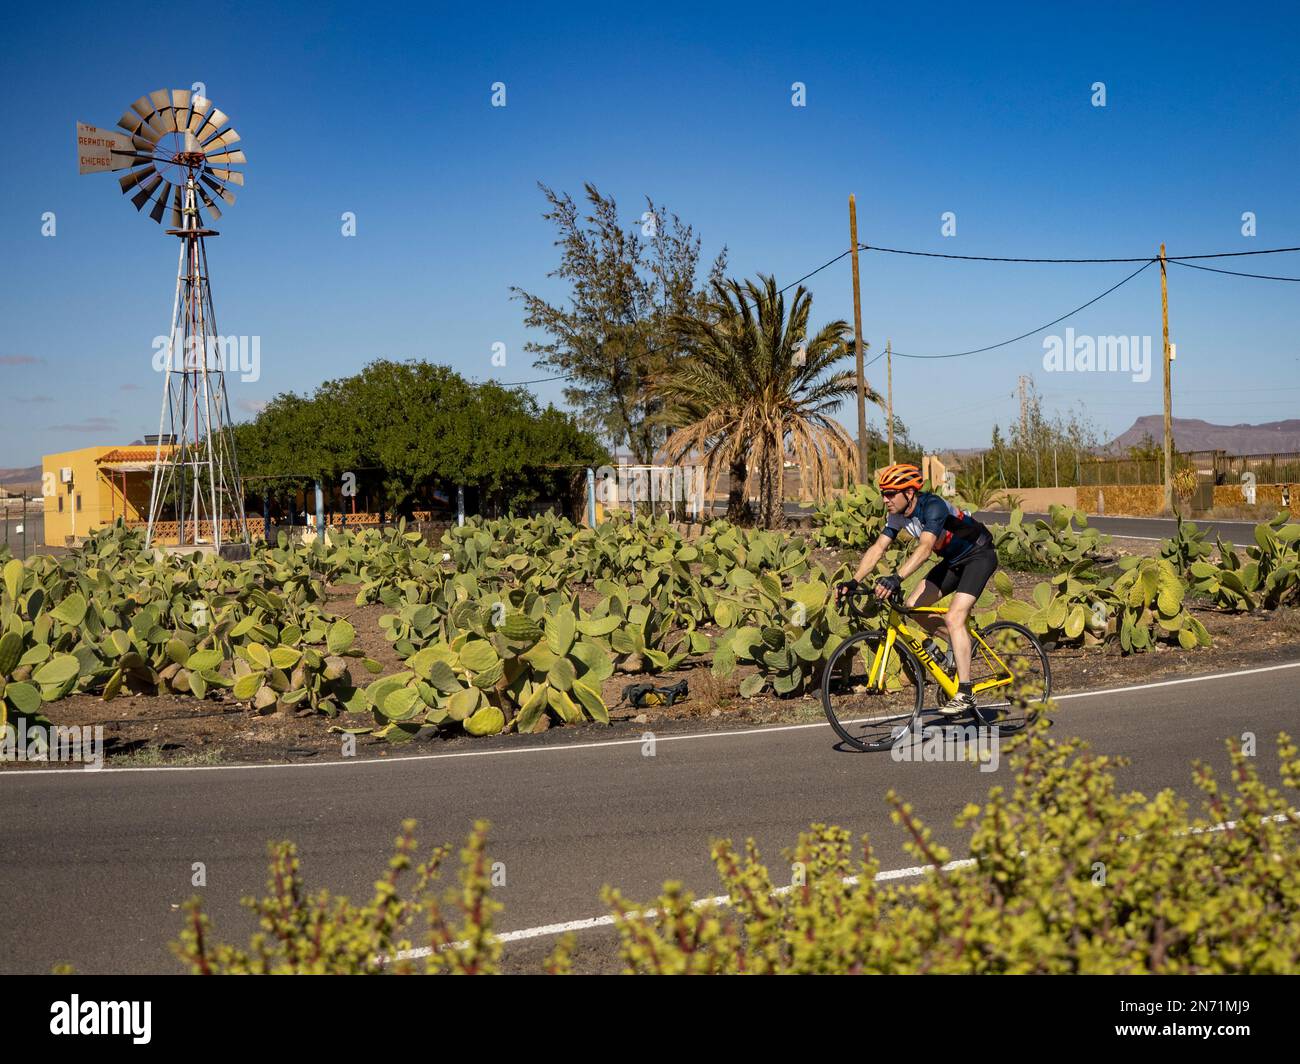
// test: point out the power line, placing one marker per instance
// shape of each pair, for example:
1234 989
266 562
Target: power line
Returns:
1230 254
520 384
1181 260
999 258
988 258
780 292
993 347
1232 273
819 269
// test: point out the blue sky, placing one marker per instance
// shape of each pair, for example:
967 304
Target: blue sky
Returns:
385 111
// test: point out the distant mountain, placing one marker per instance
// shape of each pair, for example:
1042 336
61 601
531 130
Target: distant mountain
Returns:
15 477
1192 434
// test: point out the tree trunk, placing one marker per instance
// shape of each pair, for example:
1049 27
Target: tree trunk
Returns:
772 496
737 503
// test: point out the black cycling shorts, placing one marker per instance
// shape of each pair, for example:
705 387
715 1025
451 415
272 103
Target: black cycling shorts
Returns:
969 573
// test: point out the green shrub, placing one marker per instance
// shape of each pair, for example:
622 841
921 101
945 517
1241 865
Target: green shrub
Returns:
112 616
1269 576
1187 546
1050 544
1072 607
976 491
853 519
320 934
504 666
1067 875
789 635
1147 601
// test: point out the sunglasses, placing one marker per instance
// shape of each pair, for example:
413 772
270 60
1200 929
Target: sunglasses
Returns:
890 494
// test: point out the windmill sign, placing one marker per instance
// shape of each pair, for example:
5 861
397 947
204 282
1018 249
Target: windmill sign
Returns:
96 149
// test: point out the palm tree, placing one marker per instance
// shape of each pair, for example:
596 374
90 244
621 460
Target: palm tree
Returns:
752 388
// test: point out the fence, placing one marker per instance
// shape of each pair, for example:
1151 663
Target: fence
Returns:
1282 467
1048 468
24 526
1122 471
678 491
1057 468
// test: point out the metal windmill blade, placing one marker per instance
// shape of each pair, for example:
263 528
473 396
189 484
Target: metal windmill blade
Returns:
216 119
209 203
230 177
146 190
181 103
135 125
163 118
158 208
142 142
222 140
199 108
129 181
219 189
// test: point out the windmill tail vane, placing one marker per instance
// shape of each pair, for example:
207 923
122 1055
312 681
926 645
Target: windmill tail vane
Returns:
177 151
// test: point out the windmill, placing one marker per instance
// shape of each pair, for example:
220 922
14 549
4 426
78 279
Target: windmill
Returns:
177 151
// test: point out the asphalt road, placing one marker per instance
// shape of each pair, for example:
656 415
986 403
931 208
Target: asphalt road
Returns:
92 864
1240 532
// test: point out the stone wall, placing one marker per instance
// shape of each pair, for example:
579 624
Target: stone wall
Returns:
1129 500
1269 496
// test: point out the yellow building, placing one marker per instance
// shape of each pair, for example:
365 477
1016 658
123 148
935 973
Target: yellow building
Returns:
93 487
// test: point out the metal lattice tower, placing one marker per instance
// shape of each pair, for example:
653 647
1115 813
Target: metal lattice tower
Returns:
177 150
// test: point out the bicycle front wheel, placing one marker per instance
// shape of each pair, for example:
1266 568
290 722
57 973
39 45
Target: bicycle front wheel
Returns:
1019 661
872 698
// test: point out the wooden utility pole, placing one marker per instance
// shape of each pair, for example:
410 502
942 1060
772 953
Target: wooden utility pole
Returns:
857 344
1169 420
889 369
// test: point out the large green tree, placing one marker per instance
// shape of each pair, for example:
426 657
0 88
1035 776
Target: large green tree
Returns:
614 332
404 429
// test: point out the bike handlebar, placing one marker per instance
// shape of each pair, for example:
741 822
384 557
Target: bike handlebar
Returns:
868 591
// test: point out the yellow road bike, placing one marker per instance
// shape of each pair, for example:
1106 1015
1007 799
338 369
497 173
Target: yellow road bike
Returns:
874 686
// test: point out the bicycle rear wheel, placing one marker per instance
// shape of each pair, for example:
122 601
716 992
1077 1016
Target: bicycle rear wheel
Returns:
1021 659
866 713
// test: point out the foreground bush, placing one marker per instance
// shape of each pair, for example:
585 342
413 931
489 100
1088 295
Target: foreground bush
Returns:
1067 875
319 934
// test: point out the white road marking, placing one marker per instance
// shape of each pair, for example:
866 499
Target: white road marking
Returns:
600 744
543 930
701 903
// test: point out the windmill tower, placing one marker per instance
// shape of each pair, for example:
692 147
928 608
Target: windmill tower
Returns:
177 151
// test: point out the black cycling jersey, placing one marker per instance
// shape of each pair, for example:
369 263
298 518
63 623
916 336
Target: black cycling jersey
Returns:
957 533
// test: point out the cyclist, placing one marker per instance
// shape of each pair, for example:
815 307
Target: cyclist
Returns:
966 555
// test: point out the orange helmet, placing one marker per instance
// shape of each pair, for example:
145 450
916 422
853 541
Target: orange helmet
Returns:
900 476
